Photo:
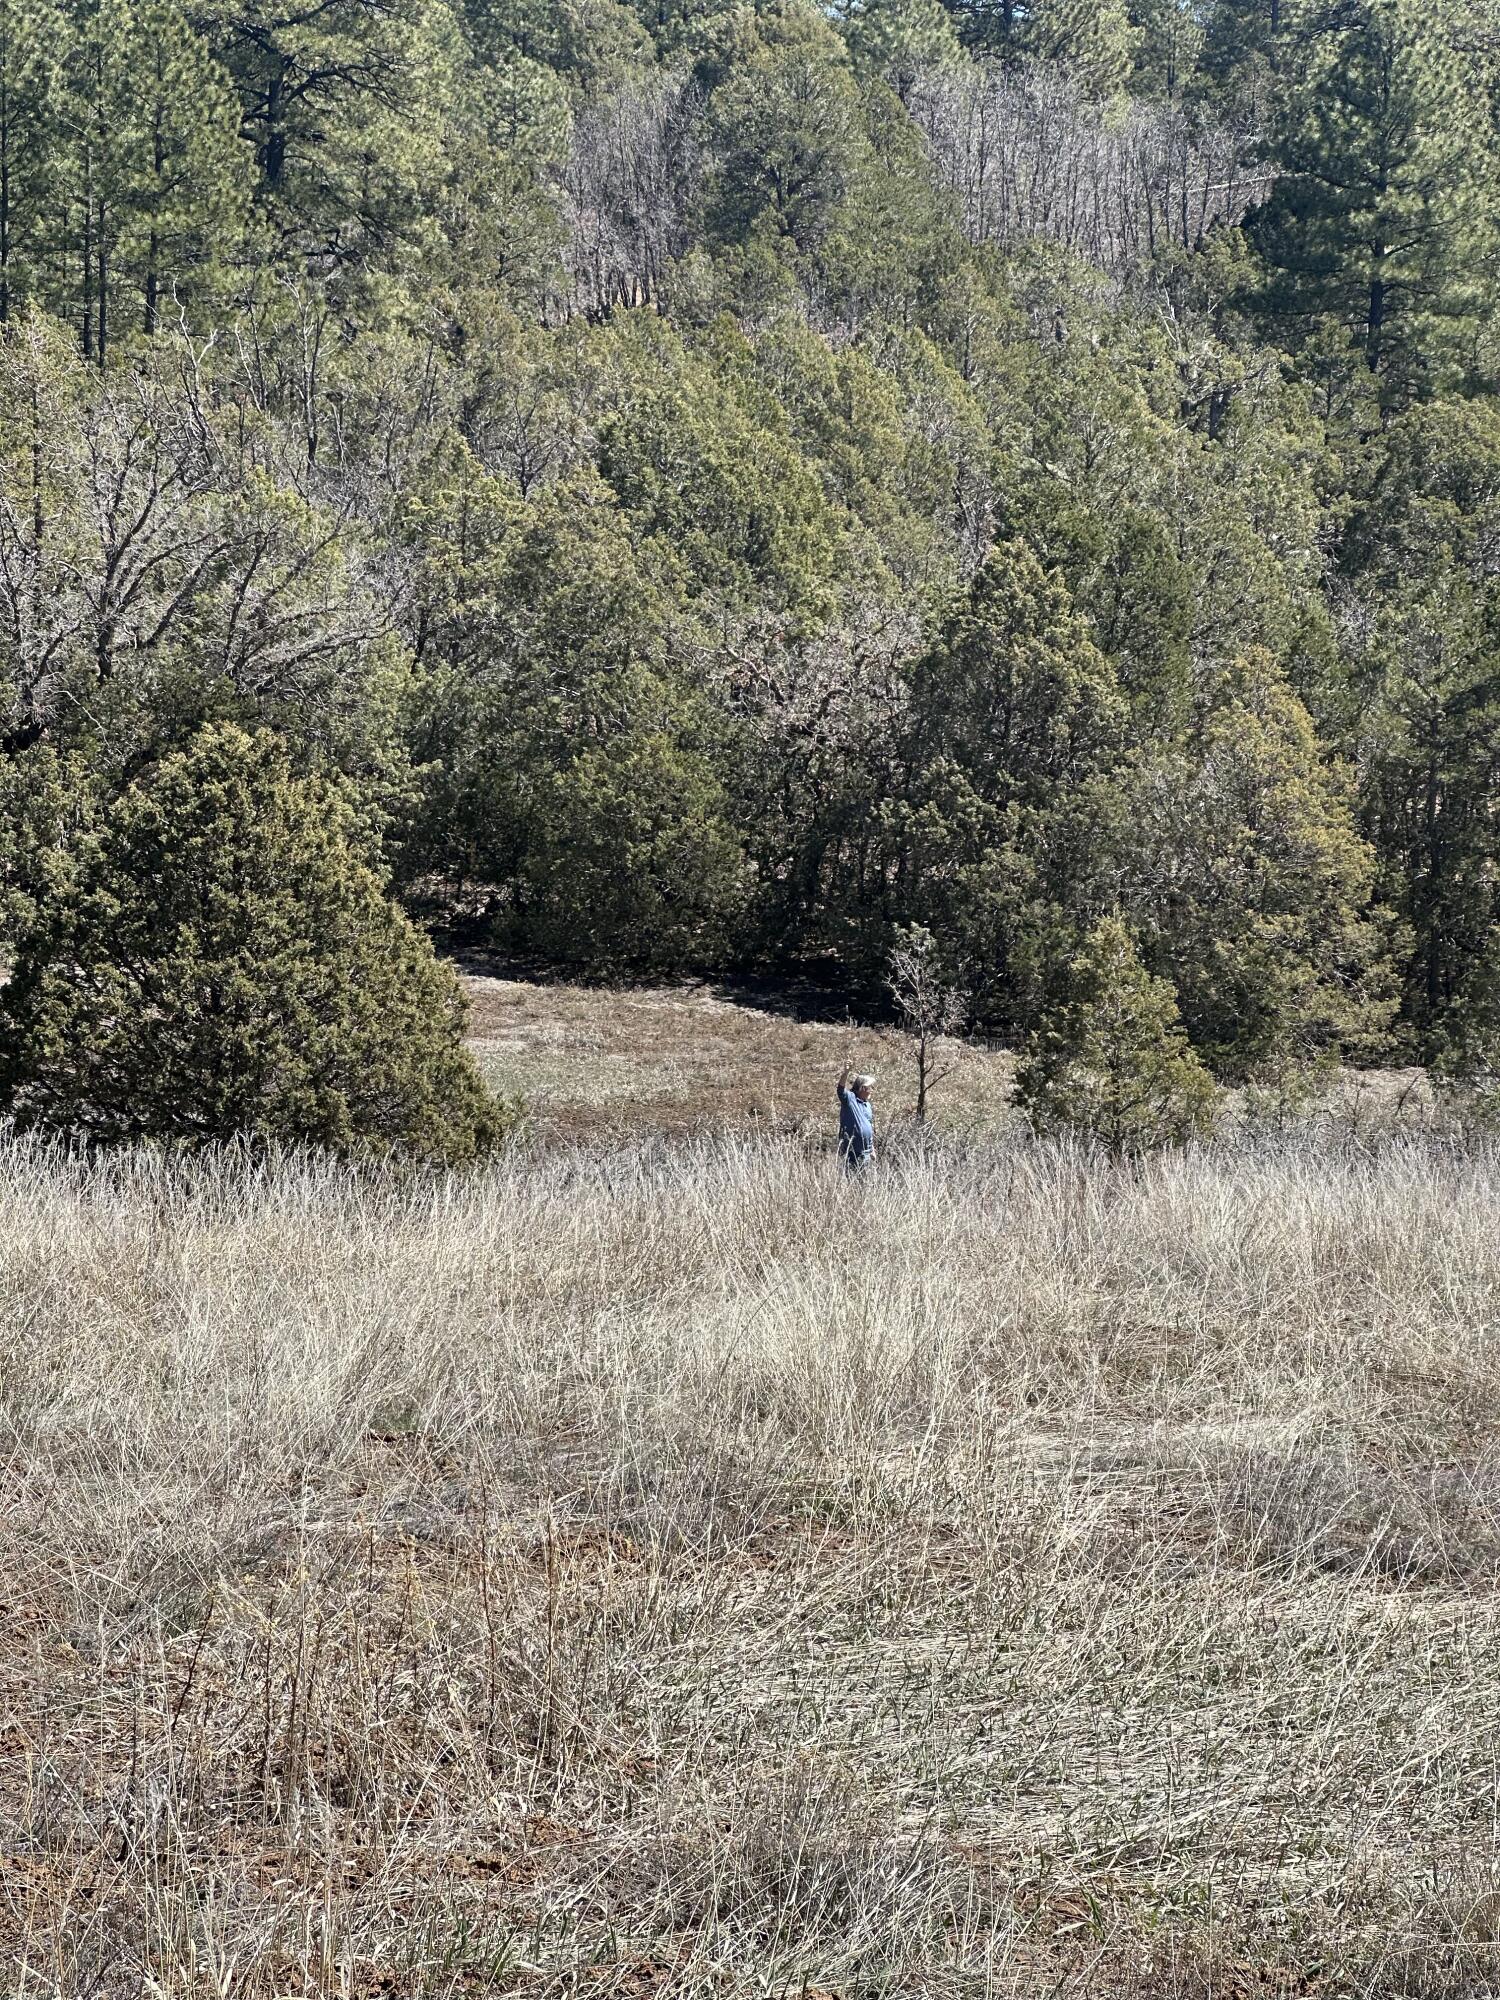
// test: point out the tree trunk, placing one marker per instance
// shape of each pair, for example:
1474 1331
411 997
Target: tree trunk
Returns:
88 257
153 248
1375 323
4 210
103 260
273 153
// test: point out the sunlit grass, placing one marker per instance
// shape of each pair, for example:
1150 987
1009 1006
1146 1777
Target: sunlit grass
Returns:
668 1568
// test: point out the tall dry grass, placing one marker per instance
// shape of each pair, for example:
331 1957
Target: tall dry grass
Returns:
673 1569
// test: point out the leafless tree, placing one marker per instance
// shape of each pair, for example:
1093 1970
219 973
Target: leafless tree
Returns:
1029 153
626 190
932 1009
143 542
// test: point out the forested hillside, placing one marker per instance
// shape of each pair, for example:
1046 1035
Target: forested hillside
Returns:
727 479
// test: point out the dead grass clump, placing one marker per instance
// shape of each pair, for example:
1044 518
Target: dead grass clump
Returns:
667 1568
1314 1511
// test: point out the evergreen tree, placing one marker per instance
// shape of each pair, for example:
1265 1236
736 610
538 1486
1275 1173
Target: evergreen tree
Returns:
158 172
787 140
992 26
1380 222
1126 574
344 106
1168 39
570 771
634 864
1465 1056
1256 887
594 44
1245 44
191 179
1111 1061
1004 823
32 47
45 803
898 39
101 118
1433 775
700 459
1096 38
221 960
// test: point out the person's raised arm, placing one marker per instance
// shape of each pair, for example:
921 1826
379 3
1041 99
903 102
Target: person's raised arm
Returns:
843 1083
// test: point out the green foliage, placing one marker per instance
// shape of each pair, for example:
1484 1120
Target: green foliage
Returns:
341 104
1169 45
1016 722
218 959
1111 1061
675 460
1126 574
787 136
45 801
1380 224
702 465
32 47
897 40
635 865
158 569
1097 38
1257 892
124 183
1465 1057
1245 49
1432 770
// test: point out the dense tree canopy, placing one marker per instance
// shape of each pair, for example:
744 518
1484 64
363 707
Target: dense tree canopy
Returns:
715 483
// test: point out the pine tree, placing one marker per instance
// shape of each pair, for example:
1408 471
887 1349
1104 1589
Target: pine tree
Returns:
344 106
221 960
100 114
1168 44
1380 220
1096 38
991 26
1245 46
897 39
1111 1061
32 43
191 175
159 175
787 135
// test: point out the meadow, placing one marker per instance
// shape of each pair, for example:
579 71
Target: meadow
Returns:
649 1565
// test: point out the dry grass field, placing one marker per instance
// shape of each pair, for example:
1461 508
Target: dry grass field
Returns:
595 1062
650 1566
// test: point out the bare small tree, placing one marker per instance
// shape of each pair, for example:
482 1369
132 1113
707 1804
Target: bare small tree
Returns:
931 1009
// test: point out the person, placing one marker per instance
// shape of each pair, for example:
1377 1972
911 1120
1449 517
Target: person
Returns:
856 1122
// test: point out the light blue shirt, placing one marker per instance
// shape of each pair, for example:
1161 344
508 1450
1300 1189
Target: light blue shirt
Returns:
856 1130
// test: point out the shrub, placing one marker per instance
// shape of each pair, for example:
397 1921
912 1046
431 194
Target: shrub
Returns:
220 959
635 866
1113 1061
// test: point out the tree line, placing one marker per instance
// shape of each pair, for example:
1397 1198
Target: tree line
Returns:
714 484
